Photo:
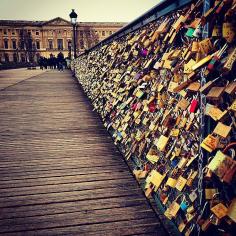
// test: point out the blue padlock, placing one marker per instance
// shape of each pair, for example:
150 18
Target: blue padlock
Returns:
183 205
174 162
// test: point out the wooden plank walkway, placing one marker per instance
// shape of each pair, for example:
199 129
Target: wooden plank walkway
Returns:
60 173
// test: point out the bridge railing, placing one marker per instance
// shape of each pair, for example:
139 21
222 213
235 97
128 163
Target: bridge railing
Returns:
164 86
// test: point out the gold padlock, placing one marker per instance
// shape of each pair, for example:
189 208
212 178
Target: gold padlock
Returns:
228 32
210 193
195 46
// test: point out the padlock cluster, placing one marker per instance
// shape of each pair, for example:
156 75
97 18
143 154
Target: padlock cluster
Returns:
166 94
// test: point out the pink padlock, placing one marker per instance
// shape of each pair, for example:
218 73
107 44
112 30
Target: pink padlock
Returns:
144 52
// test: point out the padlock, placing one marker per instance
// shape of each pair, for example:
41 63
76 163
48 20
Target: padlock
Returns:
230 60
174 207
210 143
206 224
180 184
152 155
217 31
210 193
195 46
184 205
191 178
161 142
222 129
156 178
220 210
205 46
216 58
228 32
193 106
197 32
181 226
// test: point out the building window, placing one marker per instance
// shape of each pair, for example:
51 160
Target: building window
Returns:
6 56
13 32
38 44
69 45
22 45
15 58
50 44
81 33
5 32
60 44
14 44
103 33
5 43
33 46
37 32
110 32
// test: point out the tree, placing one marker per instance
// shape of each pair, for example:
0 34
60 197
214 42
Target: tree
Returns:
26 44
91 37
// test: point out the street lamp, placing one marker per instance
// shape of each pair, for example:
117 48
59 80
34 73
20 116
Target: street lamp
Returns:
69 48
73 17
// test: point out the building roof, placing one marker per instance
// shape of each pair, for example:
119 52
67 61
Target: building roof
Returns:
20 22
42 23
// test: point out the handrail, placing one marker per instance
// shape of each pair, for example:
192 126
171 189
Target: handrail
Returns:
161 9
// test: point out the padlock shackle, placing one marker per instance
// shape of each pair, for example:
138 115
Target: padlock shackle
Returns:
229 146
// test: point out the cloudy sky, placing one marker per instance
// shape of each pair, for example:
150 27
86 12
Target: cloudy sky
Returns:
87 10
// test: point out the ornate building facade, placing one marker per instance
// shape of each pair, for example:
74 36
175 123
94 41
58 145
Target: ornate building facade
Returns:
26 41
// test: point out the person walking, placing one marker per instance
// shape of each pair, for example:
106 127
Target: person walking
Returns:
41 63
54 62
60 59
60 66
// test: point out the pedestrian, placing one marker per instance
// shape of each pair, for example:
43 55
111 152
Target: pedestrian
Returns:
50 62
54 62
45 63
60 66
41 63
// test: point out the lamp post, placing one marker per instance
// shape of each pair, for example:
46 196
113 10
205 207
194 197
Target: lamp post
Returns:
69 47
73 17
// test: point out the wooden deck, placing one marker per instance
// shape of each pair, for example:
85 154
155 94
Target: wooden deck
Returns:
60 173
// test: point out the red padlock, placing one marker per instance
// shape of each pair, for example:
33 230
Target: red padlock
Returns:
134 106
152 106
146 167
193 106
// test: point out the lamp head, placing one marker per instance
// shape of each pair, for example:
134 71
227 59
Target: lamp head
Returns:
73 17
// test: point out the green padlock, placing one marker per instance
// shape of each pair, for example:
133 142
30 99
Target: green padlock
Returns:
190 31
